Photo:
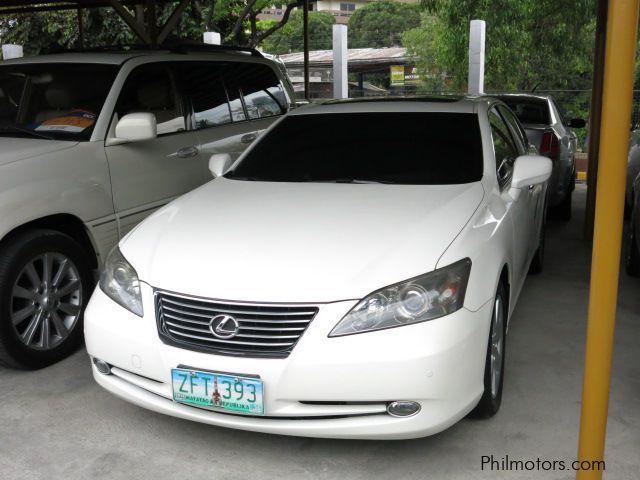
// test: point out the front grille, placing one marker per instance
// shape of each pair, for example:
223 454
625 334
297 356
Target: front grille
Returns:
263 330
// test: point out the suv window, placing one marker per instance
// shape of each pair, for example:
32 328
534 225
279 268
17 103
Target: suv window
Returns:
202 84
53 100
151 89
259 88
503 146
396 148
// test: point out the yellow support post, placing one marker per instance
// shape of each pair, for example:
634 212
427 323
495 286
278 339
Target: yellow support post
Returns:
620 51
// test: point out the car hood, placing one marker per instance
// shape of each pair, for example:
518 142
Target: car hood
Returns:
13 149
297 242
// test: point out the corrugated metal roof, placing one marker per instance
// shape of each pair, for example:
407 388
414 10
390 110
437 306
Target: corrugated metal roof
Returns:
355 56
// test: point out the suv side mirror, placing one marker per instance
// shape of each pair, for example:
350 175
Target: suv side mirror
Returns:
530 170
219 163
135 127
577 123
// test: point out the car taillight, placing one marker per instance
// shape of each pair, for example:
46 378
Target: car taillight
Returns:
550 146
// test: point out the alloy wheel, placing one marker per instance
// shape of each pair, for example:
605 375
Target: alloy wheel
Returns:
46 301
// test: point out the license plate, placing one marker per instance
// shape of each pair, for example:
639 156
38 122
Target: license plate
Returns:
218 391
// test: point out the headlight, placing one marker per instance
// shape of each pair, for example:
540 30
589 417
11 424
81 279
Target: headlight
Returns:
429 296
119 281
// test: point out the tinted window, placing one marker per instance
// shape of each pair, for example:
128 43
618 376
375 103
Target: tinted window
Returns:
151 89
401 148
504 147
59 101
527 110
202 83
522 143
259 87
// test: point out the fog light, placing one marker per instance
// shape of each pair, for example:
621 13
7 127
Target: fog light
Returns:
102 366
403 408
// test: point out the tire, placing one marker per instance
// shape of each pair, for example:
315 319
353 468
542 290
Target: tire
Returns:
632 260
563 210
41 308
494 367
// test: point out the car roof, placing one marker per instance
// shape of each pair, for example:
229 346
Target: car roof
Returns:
440 103
119 57
520 96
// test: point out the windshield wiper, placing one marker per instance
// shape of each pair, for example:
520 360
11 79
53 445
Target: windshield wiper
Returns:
15 128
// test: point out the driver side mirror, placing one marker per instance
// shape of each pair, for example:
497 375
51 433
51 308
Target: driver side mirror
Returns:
134 127
219 163
530 170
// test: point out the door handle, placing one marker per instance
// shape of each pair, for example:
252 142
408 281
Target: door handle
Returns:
248 138
187 152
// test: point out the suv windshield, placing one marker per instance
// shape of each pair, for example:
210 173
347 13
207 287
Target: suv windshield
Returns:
529 110
397 148
53 101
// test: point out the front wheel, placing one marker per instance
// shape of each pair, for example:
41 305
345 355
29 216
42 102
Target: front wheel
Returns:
494 364
45 283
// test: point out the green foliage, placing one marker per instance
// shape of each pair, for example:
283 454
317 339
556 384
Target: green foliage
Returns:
290 38
236 20
529 43
381 24
421 44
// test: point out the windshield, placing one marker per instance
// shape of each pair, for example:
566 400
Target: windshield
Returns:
396 148
529 110
53 101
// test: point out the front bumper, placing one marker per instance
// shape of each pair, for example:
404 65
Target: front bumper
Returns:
327 387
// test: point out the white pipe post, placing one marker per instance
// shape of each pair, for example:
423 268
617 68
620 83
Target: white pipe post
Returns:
340 71
212 38
10 51
477 32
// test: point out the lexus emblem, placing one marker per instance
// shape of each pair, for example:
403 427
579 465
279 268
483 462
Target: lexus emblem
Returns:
224 326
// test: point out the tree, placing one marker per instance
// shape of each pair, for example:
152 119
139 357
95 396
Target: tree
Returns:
290 38
236 20
529 43
381 24
421 44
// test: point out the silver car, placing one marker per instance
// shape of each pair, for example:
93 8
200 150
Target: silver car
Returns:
551 134
633 168
632 258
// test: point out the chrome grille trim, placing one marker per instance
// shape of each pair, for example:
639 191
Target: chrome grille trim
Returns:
264 330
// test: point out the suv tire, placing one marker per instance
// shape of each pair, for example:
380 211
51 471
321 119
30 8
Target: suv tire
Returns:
45 283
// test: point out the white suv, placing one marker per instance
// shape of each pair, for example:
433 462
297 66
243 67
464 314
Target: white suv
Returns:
92 143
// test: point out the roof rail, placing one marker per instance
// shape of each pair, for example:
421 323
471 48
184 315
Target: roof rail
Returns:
188 47
182 47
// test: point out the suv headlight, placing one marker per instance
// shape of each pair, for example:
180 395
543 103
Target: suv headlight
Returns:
426 297
119 281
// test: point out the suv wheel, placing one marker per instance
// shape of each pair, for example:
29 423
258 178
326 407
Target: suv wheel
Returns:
45 283
563 210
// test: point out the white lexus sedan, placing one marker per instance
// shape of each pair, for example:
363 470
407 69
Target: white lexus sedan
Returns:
350 276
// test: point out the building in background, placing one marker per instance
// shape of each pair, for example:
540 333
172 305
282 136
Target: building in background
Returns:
392 68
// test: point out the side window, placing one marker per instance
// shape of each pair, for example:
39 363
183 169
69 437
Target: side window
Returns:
202 84
151 89
259 88
503 146
521 140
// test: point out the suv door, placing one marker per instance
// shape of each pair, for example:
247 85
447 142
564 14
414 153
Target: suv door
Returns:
147 174
241 100
506 152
